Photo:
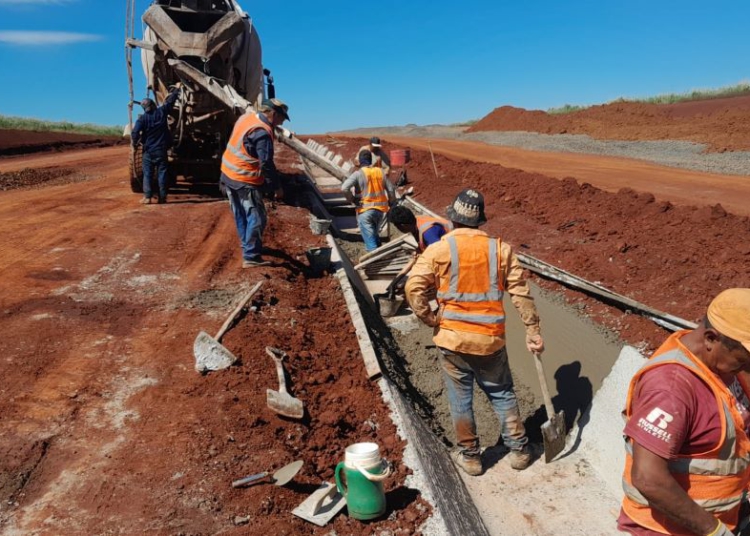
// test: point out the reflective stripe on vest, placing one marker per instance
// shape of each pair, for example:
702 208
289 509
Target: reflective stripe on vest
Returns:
236 163
465 306
374 195
716 480
425 223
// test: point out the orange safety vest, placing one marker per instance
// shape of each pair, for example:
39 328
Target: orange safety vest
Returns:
424 223
374 195
717 479
471 299
236 163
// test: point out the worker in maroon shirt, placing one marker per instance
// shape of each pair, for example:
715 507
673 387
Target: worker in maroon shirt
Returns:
687 465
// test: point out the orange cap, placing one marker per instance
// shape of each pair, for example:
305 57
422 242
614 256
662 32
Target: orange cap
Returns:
729 314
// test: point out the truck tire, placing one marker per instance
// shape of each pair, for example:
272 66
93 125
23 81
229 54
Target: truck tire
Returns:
136 169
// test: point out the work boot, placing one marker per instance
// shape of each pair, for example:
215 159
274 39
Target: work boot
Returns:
146 201
520 459
471 464
252 264
162 200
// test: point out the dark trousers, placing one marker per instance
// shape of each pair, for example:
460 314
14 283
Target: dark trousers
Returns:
155 159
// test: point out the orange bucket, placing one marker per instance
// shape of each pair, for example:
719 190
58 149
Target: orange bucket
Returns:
400 157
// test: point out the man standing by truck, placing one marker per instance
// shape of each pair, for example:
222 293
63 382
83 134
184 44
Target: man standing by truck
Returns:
152 129
471 271
247 169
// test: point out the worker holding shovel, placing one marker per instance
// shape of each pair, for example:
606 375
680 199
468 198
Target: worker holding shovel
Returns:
687 449
470 272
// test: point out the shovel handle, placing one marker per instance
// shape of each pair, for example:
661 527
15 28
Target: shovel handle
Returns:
279 362
543 383
236 311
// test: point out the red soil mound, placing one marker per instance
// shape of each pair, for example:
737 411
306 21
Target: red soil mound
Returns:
17 142
722 124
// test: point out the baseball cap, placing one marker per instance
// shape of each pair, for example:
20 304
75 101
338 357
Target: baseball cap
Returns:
729 314
147 103
277 106
375 141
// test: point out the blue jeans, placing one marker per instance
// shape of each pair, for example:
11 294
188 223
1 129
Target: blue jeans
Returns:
250 218
492 373
369 222
158 160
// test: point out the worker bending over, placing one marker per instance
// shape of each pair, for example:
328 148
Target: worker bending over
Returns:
687 464
471 271
247 169
373 195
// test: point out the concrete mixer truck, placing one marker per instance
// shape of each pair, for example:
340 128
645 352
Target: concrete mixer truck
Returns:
213 39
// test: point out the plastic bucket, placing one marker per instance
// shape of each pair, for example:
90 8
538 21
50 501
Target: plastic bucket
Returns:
360 478
319 226
319 259
400 157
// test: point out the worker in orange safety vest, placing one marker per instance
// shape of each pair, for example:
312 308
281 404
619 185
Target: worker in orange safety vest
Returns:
247 169
373 194
687 465
471 271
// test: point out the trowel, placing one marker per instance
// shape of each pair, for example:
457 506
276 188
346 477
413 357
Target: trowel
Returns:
279 478
320 507
281 401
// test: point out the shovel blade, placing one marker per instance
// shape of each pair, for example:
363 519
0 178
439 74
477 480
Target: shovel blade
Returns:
210 354
285 404
553 433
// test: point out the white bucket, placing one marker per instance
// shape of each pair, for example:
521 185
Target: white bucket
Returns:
319 226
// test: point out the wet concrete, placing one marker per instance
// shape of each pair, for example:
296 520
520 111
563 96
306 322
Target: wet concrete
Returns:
579 354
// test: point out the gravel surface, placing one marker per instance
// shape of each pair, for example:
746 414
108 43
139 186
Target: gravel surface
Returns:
679 154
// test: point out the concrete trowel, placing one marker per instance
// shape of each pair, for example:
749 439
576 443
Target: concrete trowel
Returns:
279 478
209 353
320 507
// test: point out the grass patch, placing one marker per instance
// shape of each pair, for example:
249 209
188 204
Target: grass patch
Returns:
737 90
22 123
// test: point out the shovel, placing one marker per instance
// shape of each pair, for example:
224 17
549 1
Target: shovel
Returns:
553 431
386 303
209 353
281 401
279 478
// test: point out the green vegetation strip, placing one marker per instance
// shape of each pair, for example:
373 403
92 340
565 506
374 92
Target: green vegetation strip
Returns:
737 90
21 123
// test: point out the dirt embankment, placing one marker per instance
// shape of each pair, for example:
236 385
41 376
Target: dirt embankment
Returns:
20 142
106 426
721 124
673 258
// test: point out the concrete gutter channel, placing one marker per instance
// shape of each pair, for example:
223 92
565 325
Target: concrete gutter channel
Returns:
581 489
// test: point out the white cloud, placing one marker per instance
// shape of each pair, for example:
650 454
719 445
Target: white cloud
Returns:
33 38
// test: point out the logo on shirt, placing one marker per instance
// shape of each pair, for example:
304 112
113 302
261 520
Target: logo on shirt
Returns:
658 414
656 424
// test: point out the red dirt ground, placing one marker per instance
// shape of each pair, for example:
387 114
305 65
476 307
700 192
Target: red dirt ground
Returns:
721 124
107 429
673 258
17 142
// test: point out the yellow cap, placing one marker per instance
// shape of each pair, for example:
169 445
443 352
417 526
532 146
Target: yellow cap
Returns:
729 314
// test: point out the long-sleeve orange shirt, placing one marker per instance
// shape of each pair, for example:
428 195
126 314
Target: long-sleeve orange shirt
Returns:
434 265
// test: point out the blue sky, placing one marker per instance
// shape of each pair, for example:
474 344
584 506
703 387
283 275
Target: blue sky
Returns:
352 64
